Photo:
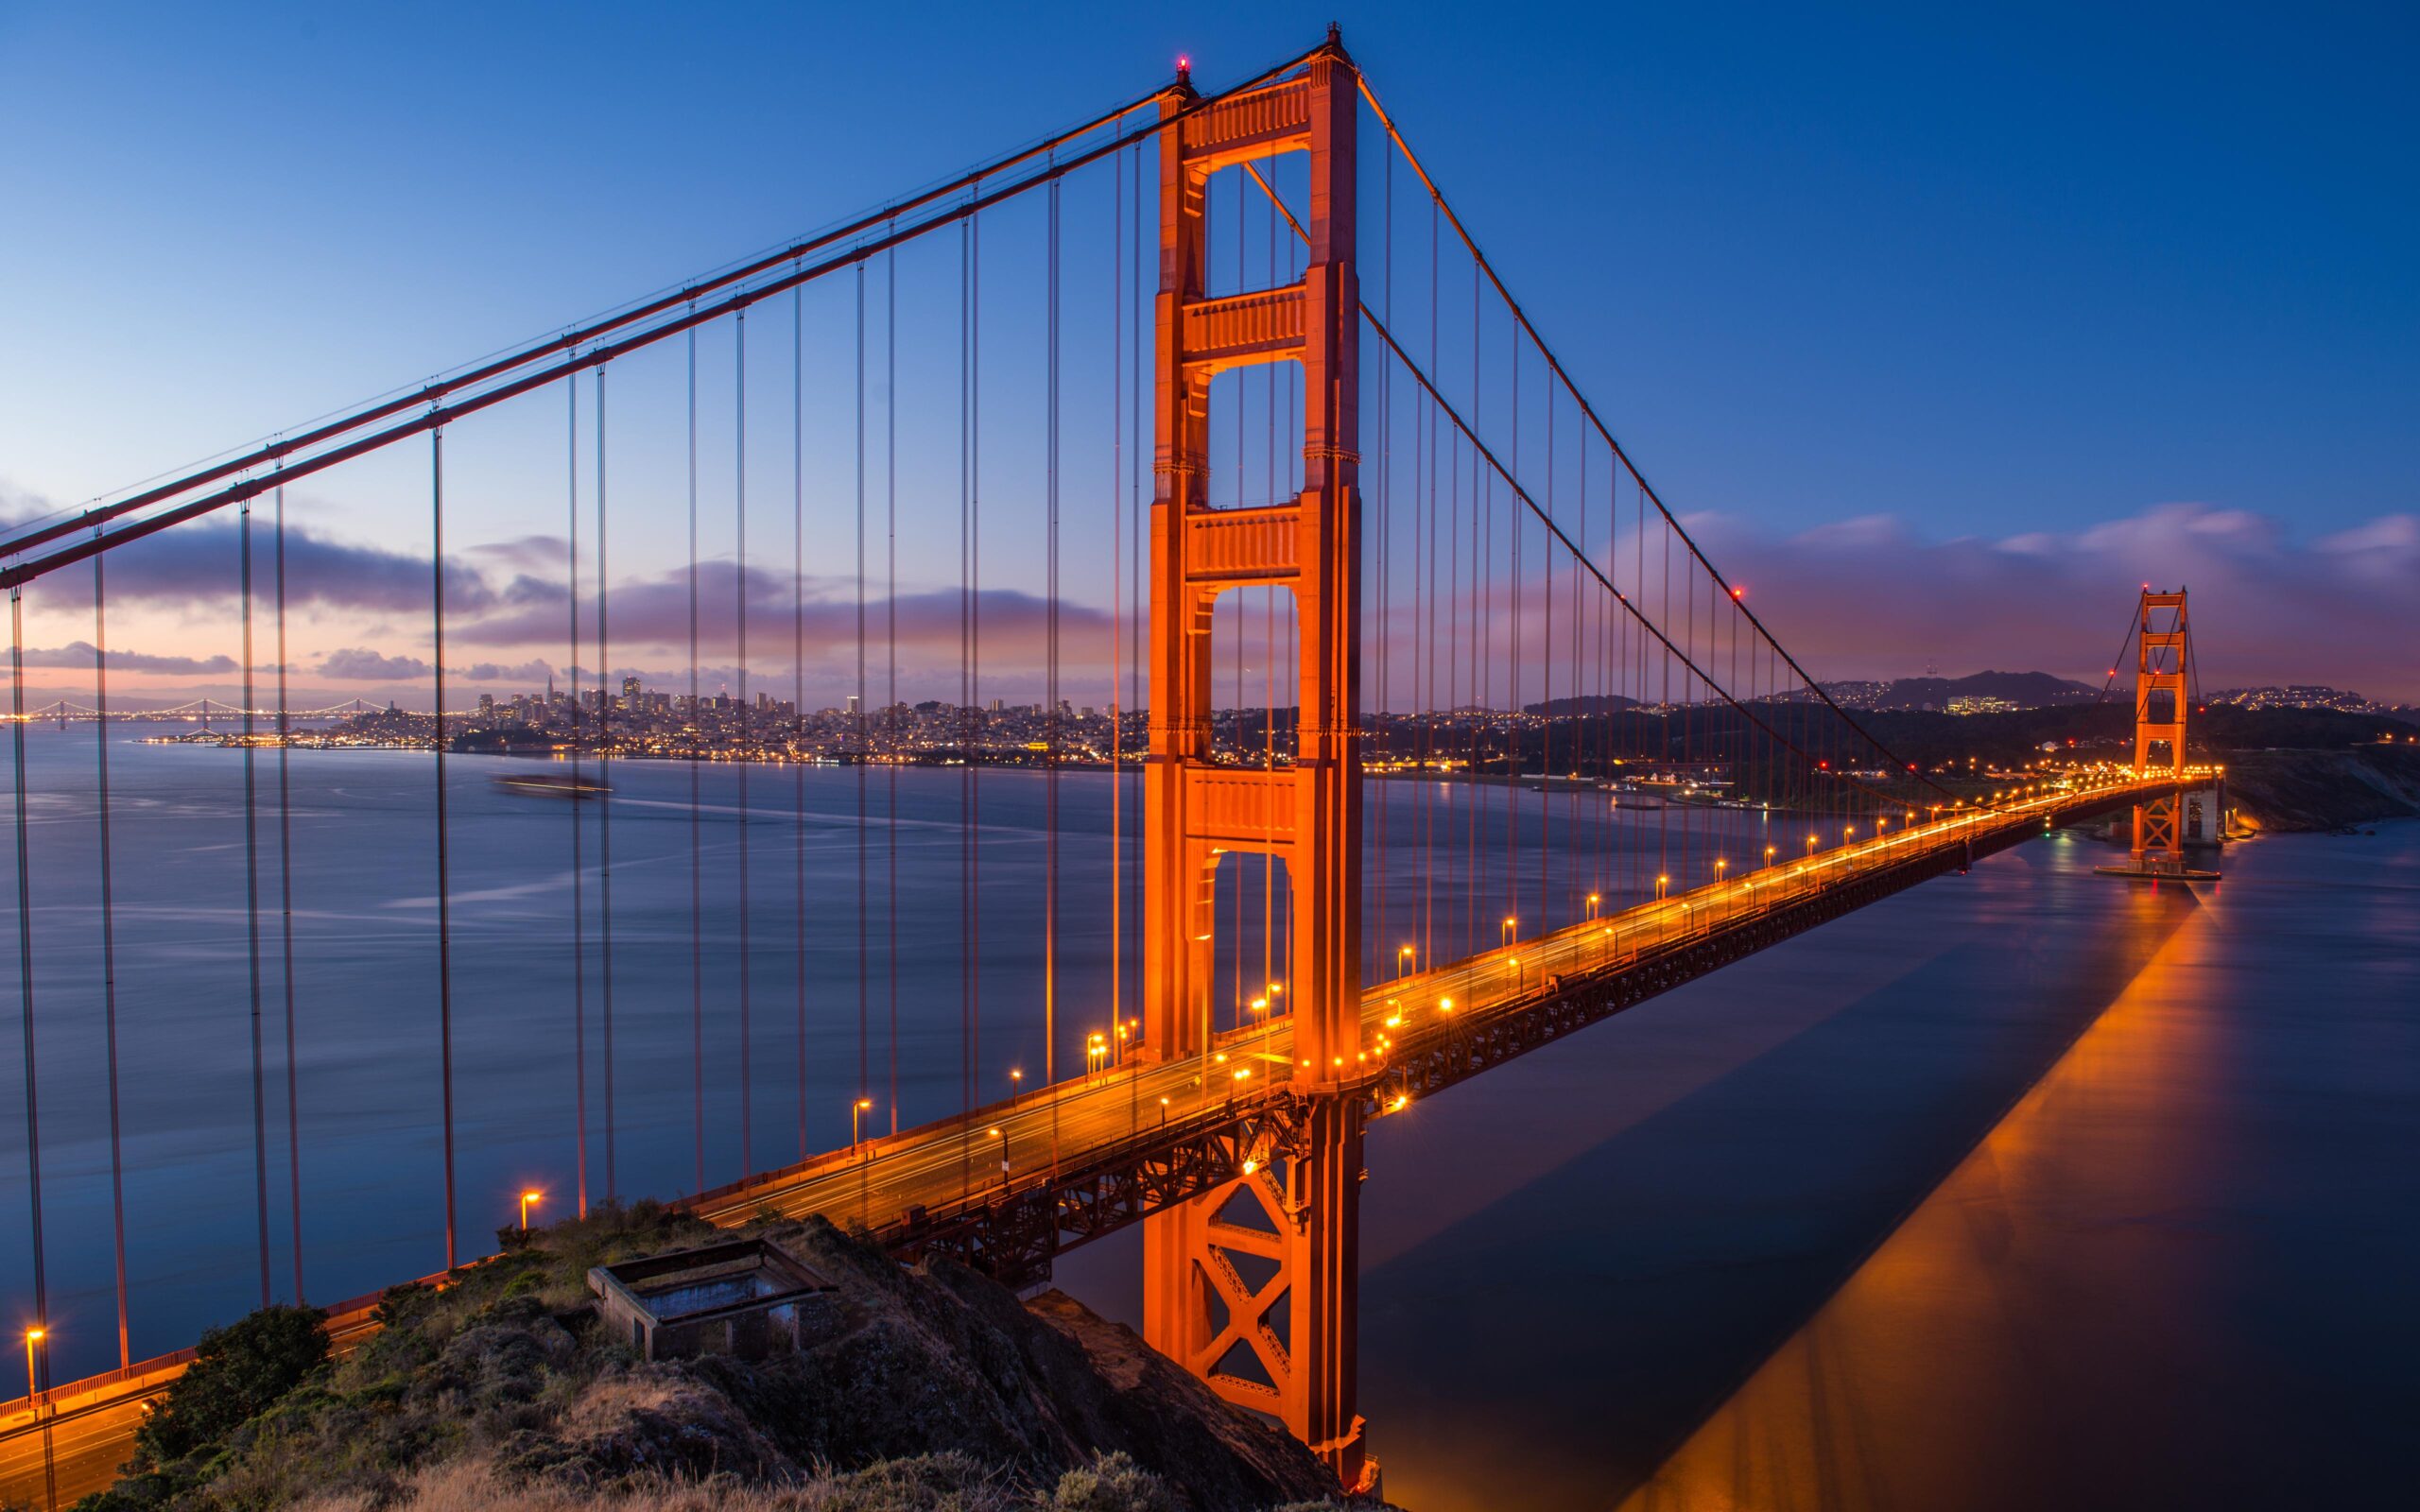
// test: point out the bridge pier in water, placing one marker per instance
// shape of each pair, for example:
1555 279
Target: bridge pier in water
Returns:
1252 1285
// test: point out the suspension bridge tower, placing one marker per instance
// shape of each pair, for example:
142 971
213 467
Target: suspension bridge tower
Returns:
1252 1285
2160 694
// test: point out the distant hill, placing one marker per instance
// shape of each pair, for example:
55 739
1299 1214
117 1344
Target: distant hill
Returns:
2024 690
1593 703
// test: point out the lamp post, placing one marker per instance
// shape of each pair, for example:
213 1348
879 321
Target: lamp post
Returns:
1661 883
1016 1084
528 1199
1591 907
1403 962
995 1132
856 1112
1769 854
49 1466
1503 937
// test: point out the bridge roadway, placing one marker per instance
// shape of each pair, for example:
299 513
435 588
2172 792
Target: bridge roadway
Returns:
1118 1133
1089 1145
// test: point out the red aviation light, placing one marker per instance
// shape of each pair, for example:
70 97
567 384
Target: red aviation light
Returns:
1739 592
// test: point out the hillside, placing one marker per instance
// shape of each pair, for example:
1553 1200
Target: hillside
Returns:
2026 689
936 1391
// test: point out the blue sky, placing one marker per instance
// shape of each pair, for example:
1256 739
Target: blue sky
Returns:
1916 290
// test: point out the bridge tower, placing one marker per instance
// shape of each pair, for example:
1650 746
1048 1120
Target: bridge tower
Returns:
2160 694
1252 1285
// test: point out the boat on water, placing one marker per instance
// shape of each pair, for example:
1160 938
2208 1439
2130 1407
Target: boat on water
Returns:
550 785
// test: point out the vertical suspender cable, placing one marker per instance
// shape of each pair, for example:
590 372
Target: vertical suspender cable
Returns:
252 905
858 722
605 808
25 954
1117 604
578 901
966 673
891 642
797 690
285 907
1138 468
1050 664
746 752
108 948
974 633
444 869
696 838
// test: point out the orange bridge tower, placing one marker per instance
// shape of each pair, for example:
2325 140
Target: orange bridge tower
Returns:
2160 696
1252 1285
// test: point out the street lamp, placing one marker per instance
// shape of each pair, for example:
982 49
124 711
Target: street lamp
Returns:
1403 962
1016 1084
527 1201
1591 907
1661 883
1769 854
1719 861
1505 936
1095 1050
1811 846
49 1464
857 1110
996 1133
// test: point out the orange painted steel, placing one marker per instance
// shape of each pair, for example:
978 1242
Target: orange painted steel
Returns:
1252 1285
2160 669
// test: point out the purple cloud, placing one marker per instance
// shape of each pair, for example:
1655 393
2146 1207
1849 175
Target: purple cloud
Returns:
78 655
361 664
1871 599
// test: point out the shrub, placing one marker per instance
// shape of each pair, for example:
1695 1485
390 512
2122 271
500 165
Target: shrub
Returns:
238 1372
1113 1483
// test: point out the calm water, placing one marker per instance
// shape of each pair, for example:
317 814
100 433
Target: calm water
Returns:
366 986
1798 1236
2023 1188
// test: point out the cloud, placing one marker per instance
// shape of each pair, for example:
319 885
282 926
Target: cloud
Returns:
1872 597
78 655
201 563
361 664
655 612
529 674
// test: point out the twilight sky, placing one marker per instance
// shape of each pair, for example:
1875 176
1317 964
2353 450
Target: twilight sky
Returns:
1946 330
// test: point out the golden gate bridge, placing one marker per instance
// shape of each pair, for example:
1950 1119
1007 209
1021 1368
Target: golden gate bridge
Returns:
1331 449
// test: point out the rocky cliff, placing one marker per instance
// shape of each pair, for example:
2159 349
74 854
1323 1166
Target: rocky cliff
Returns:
2325 789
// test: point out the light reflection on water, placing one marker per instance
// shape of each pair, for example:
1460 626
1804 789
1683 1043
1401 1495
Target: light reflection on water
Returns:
2177 1273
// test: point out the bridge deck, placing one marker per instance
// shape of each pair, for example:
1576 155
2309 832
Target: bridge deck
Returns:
1059 1136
